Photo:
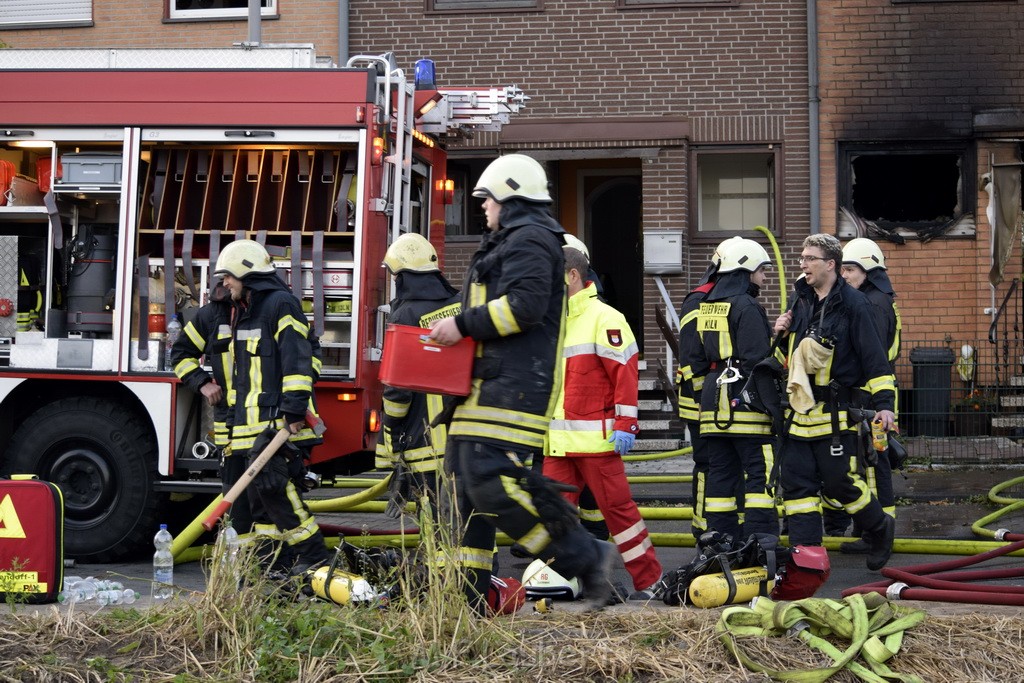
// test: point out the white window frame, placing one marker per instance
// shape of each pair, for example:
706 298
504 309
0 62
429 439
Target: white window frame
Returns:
43 13
770 193
271 10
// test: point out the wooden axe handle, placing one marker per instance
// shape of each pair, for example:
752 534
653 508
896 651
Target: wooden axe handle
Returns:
264 457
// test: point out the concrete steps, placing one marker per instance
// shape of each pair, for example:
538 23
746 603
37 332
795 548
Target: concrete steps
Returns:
660 427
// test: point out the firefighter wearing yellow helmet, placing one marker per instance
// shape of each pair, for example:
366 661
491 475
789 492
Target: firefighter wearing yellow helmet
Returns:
733 336
411 252
422 296
864 269
274 366
513 306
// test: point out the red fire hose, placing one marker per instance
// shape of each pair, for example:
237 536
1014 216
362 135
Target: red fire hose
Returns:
935 582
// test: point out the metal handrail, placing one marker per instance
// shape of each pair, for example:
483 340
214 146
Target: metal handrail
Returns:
992 334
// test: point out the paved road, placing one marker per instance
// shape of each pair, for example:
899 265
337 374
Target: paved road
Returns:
939 504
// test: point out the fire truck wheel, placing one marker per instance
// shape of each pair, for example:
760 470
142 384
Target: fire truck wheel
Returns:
104 461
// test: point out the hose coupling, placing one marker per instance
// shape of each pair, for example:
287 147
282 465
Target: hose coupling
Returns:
201 450
895 589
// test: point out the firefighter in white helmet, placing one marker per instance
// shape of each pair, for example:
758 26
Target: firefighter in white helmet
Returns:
514 307
422 295
864 269
693 366
733 336
272 388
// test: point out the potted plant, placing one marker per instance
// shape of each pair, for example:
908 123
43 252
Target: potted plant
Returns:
973 412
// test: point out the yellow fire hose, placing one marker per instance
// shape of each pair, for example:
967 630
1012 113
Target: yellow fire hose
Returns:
778 264
365 502
871 625
184 540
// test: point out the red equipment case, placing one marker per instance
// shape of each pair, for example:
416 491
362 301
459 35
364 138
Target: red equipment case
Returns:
44 172
31 539
410 361
7 174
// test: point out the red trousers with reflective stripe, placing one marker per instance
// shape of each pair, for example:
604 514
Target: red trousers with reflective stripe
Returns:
605 476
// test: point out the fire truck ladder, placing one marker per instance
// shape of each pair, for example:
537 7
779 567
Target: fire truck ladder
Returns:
398 182
463 110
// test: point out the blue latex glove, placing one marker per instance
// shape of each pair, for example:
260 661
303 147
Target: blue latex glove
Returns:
623 441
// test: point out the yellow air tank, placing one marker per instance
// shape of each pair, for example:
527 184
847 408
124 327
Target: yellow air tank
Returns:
712 590
342 588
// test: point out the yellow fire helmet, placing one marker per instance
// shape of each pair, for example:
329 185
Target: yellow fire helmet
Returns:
242 257
541 581
739 253
411 252
513 175
864 253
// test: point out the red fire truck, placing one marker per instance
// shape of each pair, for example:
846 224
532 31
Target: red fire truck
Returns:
131 169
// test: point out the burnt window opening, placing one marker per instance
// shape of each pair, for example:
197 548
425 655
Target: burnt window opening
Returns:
906 188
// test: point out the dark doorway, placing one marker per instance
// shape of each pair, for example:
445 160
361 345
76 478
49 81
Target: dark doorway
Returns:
612 217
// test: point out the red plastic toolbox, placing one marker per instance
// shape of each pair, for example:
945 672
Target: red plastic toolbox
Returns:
412 362
31 539
44 168
7 173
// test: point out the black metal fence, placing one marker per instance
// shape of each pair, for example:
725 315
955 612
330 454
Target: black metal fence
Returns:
962 402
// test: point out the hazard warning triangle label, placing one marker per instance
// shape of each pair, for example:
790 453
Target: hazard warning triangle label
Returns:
10 524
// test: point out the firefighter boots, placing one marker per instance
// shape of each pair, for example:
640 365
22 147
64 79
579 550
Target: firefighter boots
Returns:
880 540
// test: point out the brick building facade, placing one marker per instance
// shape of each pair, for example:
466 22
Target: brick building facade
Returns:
674 116
934 86
629 105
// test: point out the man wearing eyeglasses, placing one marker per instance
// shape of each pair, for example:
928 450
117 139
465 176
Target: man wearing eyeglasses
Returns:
833 349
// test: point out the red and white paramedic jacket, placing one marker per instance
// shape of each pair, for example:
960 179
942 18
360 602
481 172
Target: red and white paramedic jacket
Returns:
600 378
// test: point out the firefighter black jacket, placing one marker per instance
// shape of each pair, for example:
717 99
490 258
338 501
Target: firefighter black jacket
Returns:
420 299
208 334
878 289
733 331
845 321
693 364
274 363
513 305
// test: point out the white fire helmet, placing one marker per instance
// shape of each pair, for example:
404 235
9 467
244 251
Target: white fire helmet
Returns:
513 175
574 242
864 253
739 253
541 581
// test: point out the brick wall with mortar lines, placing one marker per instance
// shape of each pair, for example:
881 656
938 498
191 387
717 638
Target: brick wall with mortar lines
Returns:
738 73
920 71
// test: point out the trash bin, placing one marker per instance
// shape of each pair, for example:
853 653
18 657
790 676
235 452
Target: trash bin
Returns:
932 371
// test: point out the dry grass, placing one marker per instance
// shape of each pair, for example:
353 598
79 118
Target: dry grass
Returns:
230 636
255 634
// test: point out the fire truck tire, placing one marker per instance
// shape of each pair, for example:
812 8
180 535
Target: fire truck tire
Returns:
104 460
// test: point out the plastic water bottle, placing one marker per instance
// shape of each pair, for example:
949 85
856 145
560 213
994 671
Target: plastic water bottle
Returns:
129 596
173 330
105 598
229 548
163 565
